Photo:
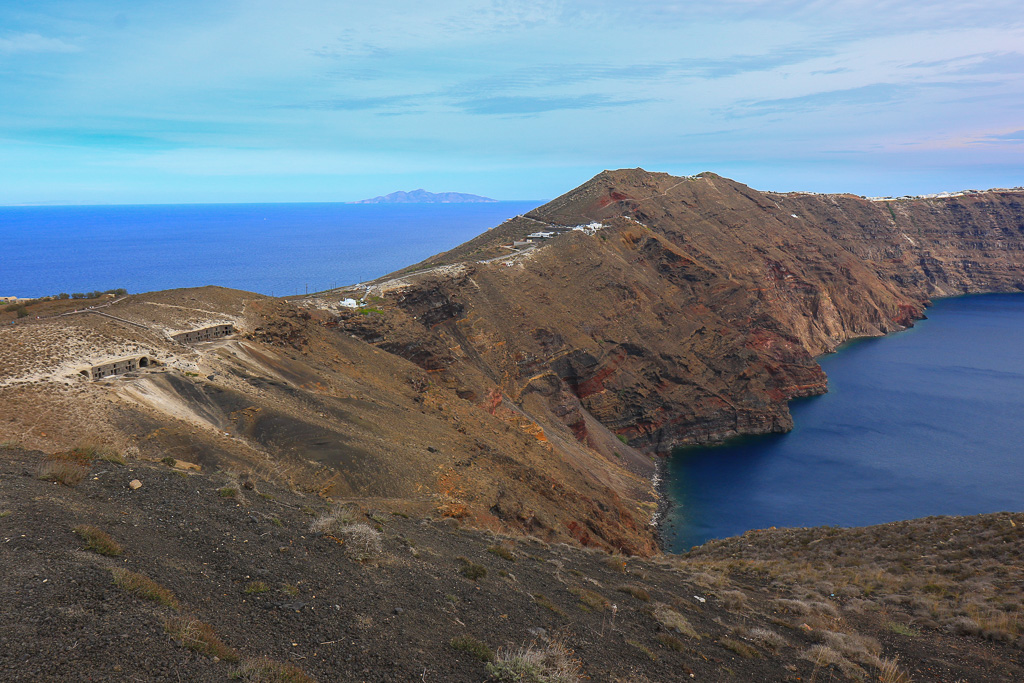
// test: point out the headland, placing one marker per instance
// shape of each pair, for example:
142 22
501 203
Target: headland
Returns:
525 382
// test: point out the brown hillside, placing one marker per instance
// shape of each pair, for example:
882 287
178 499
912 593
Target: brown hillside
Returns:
497 383
694 311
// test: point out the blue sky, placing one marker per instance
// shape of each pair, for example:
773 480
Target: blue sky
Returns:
314 100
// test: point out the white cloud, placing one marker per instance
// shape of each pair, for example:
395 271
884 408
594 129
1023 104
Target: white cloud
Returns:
33 42
282 162
239 91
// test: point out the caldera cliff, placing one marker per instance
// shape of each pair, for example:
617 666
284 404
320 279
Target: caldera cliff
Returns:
525 380
685 310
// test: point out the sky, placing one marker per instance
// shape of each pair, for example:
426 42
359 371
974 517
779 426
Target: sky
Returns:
134 102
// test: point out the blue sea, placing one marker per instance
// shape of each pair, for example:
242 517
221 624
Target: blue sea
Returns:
276 249
929 421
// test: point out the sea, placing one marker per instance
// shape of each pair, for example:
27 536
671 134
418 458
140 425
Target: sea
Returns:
929 421
275 249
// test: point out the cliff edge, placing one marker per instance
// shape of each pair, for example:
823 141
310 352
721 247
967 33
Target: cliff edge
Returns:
687 310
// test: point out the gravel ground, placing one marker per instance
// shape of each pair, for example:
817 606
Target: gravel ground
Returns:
376 596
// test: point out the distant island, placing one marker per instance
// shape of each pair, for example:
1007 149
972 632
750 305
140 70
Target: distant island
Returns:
424 197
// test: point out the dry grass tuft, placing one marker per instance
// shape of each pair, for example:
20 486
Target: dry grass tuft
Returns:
740 648
339 517
98 541
733 600
903 629
590 600
63 472
473 647
503 552
993 624
637 592
108 454
890 672
617 563
95 451
199 636
68 468
255 587
553 663
265 670
671 642
643 648
144 587
768 639
674 621
805 607
710 579
853 645
546 603
362 540
471 570
964 626
824 656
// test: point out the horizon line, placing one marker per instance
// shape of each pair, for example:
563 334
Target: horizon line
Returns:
356 202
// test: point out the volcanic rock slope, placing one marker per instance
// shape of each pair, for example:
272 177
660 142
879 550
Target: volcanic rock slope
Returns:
520 386
291 397
685 310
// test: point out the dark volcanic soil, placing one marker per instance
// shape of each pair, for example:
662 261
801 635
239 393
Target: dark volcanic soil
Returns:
767 607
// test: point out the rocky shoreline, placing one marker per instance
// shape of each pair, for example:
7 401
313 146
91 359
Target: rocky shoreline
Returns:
659 482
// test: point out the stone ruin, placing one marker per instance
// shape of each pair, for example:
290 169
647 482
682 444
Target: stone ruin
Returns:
203 334
127 364
117 367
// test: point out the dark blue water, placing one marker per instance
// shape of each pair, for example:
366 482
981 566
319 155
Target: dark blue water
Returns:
924 422
277 249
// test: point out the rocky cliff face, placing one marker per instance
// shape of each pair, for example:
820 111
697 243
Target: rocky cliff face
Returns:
523 386
968 243
688 310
